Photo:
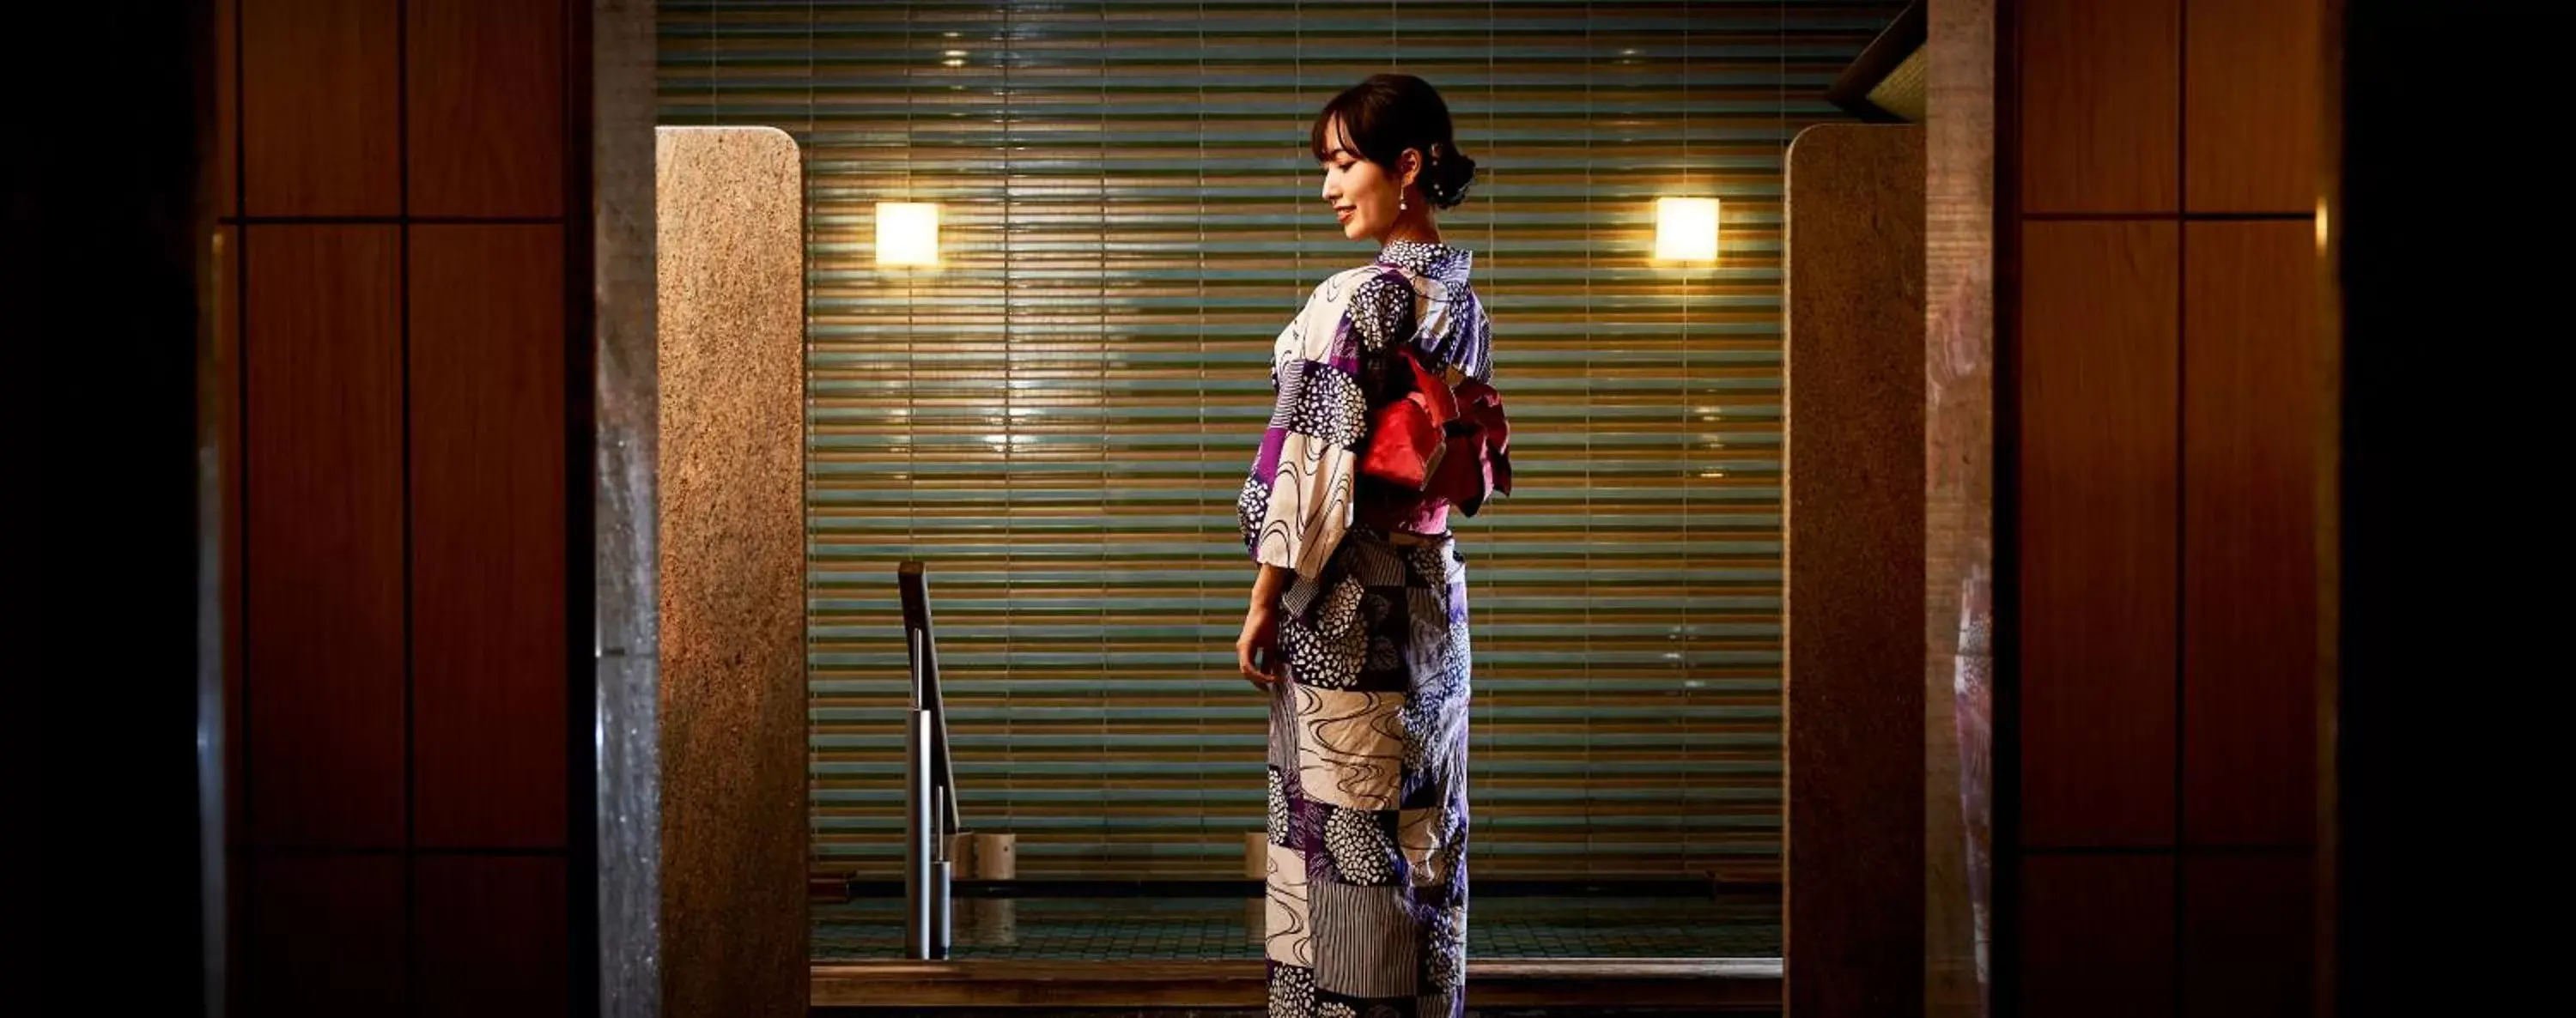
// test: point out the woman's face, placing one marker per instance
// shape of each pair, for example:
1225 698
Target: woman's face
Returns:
1362 193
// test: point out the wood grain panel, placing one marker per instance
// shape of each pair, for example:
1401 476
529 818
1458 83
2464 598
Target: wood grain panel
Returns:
2253 384
491 936
324 536
486 93
2097 936
222 173
325 936
321 107
2250 105
2097 501
2100 112
487 433
2248 924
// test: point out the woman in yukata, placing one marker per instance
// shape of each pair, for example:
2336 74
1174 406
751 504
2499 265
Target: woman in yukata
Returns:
1357 629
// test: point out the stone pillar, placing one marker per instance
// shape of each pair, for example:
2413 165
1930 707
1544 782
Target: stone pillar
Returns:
1855 571
732 551
1958 456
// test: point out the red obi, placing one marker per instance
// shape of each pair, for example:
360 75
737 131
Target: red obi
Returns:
1450 443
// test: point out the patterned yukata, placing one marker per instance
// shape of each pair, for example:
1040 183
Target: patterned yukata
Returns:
1367 882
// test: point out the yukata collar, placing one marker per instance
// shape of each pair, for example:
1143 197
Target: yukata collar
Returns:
1429 258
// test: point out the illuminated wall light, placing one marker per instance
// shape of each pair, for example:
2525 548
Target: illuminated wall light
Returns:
1686 229
907 233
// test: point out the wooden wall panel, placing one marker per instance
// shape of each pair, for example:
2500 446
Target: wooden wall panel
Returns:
488 511
324 551
2098 936
486 93
2253 373
491 934
2248 922
399 479
2100 106
2250 105
2172 391
223 171
326 936
321 107
2098 461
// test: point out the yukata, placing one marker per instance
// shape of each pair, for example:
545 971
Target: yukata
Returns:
1367 872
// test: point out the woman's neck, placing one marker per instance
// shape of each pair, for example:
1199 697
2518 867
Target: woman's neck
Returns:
1417 228
1419 233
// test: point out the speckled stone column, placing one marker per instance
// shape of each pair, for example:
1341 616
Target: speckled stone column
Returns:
1855 565
1959 439
731 336
628 835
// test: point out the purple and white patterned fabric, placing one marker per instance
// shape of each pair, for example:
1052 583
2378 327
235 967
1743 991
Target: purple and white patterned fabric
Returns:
1367 877
1367 832
1328 368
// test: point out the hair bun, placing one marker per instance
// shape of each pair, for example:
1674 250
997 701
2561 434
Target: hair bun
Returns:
1447 174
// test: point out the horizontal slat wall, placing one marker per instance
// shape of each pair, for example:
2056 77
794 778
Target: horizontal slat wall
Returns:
1059 417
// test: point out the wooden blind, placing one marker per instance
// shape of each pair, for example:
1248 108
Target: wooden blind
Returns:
1058 418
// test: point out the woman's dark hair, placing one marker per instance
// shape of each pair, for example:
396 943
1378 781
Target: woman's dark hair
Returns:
1389 113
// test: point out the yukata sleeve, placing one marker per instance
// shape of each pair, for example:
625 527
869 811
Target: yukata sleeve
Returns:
1381 314
1297 503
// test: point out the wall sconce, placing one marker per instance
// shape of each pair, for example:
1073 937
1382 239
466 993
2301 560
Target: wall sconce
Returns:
1686 229
907 233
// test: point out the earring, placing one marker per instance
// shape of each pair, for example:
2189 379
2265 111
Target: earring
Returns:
1399 205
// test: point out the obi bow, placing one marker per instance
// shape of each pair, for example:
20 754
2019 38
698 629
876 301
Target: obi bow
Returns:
1452 443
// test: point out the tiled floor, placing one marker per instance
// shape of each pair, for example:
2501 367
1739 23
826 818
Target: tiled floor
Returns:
1132 929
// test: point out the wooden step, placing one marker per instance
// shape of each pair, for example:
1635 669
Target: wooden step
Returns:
1751 984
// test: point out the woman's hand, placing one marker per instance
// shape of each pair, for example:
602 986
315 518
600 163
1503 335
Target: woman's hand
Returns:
1260 637
1257 651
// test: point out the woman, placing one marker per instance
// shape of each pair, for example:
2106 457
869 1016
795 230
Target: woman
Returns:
1358 622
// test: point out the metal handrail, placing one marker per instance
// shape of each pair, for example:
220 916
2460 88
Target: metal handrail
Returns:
930 784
